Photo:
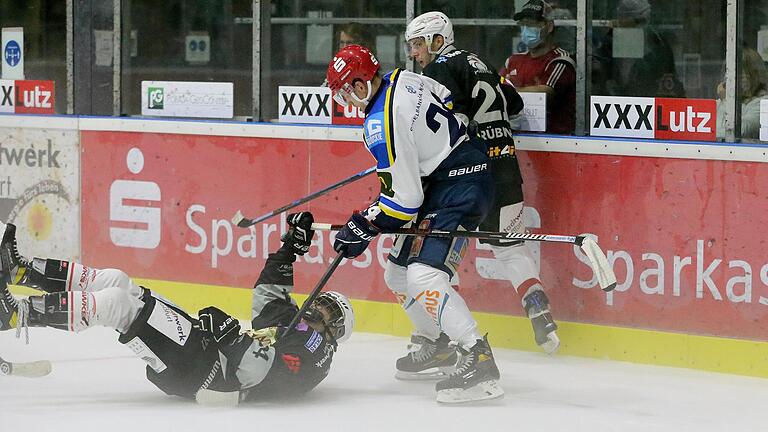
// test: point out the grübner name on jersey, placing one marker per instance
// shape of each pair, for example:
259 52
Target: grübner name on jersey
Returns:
467 170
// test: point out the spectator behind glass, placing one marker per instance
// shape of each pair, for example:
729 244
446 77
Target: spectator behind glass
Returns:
753 87
651 72
544 67
355 34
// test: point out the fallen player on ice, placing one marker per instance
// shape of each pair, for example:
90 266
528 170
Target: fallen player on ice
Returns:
208 358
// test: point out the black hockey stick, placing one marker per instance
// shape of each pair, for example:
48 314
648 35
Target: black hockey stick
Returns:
244 222
605 276
313 295
26 369
209 397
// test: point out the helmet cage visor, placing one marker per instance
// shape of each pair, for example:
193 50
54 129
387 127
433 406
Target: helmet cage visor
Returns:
333 320
346 92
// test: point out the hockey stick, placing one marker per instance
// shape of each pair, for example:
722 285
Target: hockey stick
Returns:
313 295
34 369
605 276
244 222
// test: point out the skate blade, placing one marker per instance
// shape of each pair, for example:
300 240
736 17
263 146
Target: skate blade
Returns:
552 344
426 375
486 390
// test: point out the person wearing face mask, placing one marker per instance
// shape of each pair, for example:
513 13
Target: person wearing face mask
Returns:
544 67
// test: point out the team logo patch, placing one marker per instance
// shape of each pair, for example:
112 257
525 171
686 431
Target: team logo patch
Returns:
292 362
313 342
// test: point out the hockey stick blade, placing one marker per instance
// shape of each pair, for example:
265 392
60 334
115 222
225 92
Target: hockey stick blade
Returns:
603 270
34 369
243 222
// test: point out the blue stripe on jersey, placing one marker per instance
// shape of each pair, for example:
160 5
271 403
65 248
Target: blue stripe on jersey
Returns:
397 207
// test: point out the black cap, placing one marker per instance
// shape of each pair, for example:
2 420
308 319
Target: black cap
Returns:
536 10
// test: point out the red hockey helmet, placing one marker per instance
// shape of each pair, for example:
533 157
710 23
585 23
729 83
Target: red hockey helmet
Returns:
353 62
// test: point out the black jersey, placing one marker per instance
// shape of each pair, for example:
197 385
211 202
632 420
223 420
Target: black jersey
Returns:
486 100
181 359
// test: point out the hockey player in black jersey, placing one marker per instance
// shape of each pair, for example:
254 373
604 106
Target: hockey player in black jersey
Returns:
485 102
185 356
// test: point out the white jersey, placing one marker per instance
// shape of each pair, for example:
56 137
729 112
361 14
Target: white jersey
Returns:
410 130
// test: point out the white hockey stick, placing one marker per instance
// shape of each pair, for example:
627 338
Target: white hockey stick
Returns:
34 369
603 271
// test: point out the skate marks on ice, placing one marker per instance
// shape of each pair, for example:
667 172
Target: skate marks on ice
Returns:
98 385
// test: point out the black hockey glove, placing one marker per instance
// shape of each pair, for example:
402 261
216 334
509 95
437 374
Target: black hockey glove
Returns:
353 239
224 328
299 235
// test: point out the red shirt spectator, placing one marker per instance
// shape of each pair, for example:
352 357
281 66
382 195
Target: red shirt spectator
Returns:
545 67
554 69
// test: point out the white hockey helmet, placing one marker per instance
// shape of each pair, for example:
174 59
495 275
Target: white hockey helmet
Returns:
428 25
341 318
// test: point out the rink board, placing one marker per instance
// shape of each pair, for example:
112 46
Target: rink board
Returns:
693 278
39 184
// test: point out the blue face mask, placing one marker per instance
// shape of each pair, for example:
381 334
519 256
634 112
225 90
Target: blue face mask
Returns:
531 36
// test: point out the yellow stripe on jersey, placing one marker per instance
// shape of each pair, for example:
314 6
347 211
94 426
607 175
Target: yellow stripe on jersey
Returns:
389 118
394 213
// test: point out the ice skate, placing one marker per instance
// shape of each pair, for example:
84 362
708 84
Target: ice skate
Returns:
9 306
475 379
537 308
427 359
12 265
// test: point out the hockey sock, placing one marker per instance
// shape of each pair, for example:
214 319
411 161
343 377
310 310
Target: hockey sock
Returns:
396 279
79 310
431 288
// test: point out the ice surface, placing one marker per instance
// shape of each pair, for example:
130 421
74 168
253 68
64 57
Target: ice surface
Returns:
97 385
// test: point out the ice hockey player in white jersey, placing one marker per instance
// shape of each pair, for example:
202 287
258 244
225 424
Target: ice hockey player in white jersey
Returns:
484 99
433 175
184 355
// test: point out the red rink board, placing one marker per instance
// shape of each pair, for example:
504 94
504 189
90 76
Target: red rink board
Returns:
688 231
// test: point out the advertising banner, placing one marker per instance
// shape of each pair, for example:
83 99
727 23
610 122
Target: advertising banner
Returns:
39 189
679 232
304 104
659 118
27 97
187 99
316 106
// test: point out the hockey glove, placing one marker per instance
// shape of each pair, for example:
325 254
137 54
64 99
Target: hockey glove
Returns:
224 328
353 239
299 235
